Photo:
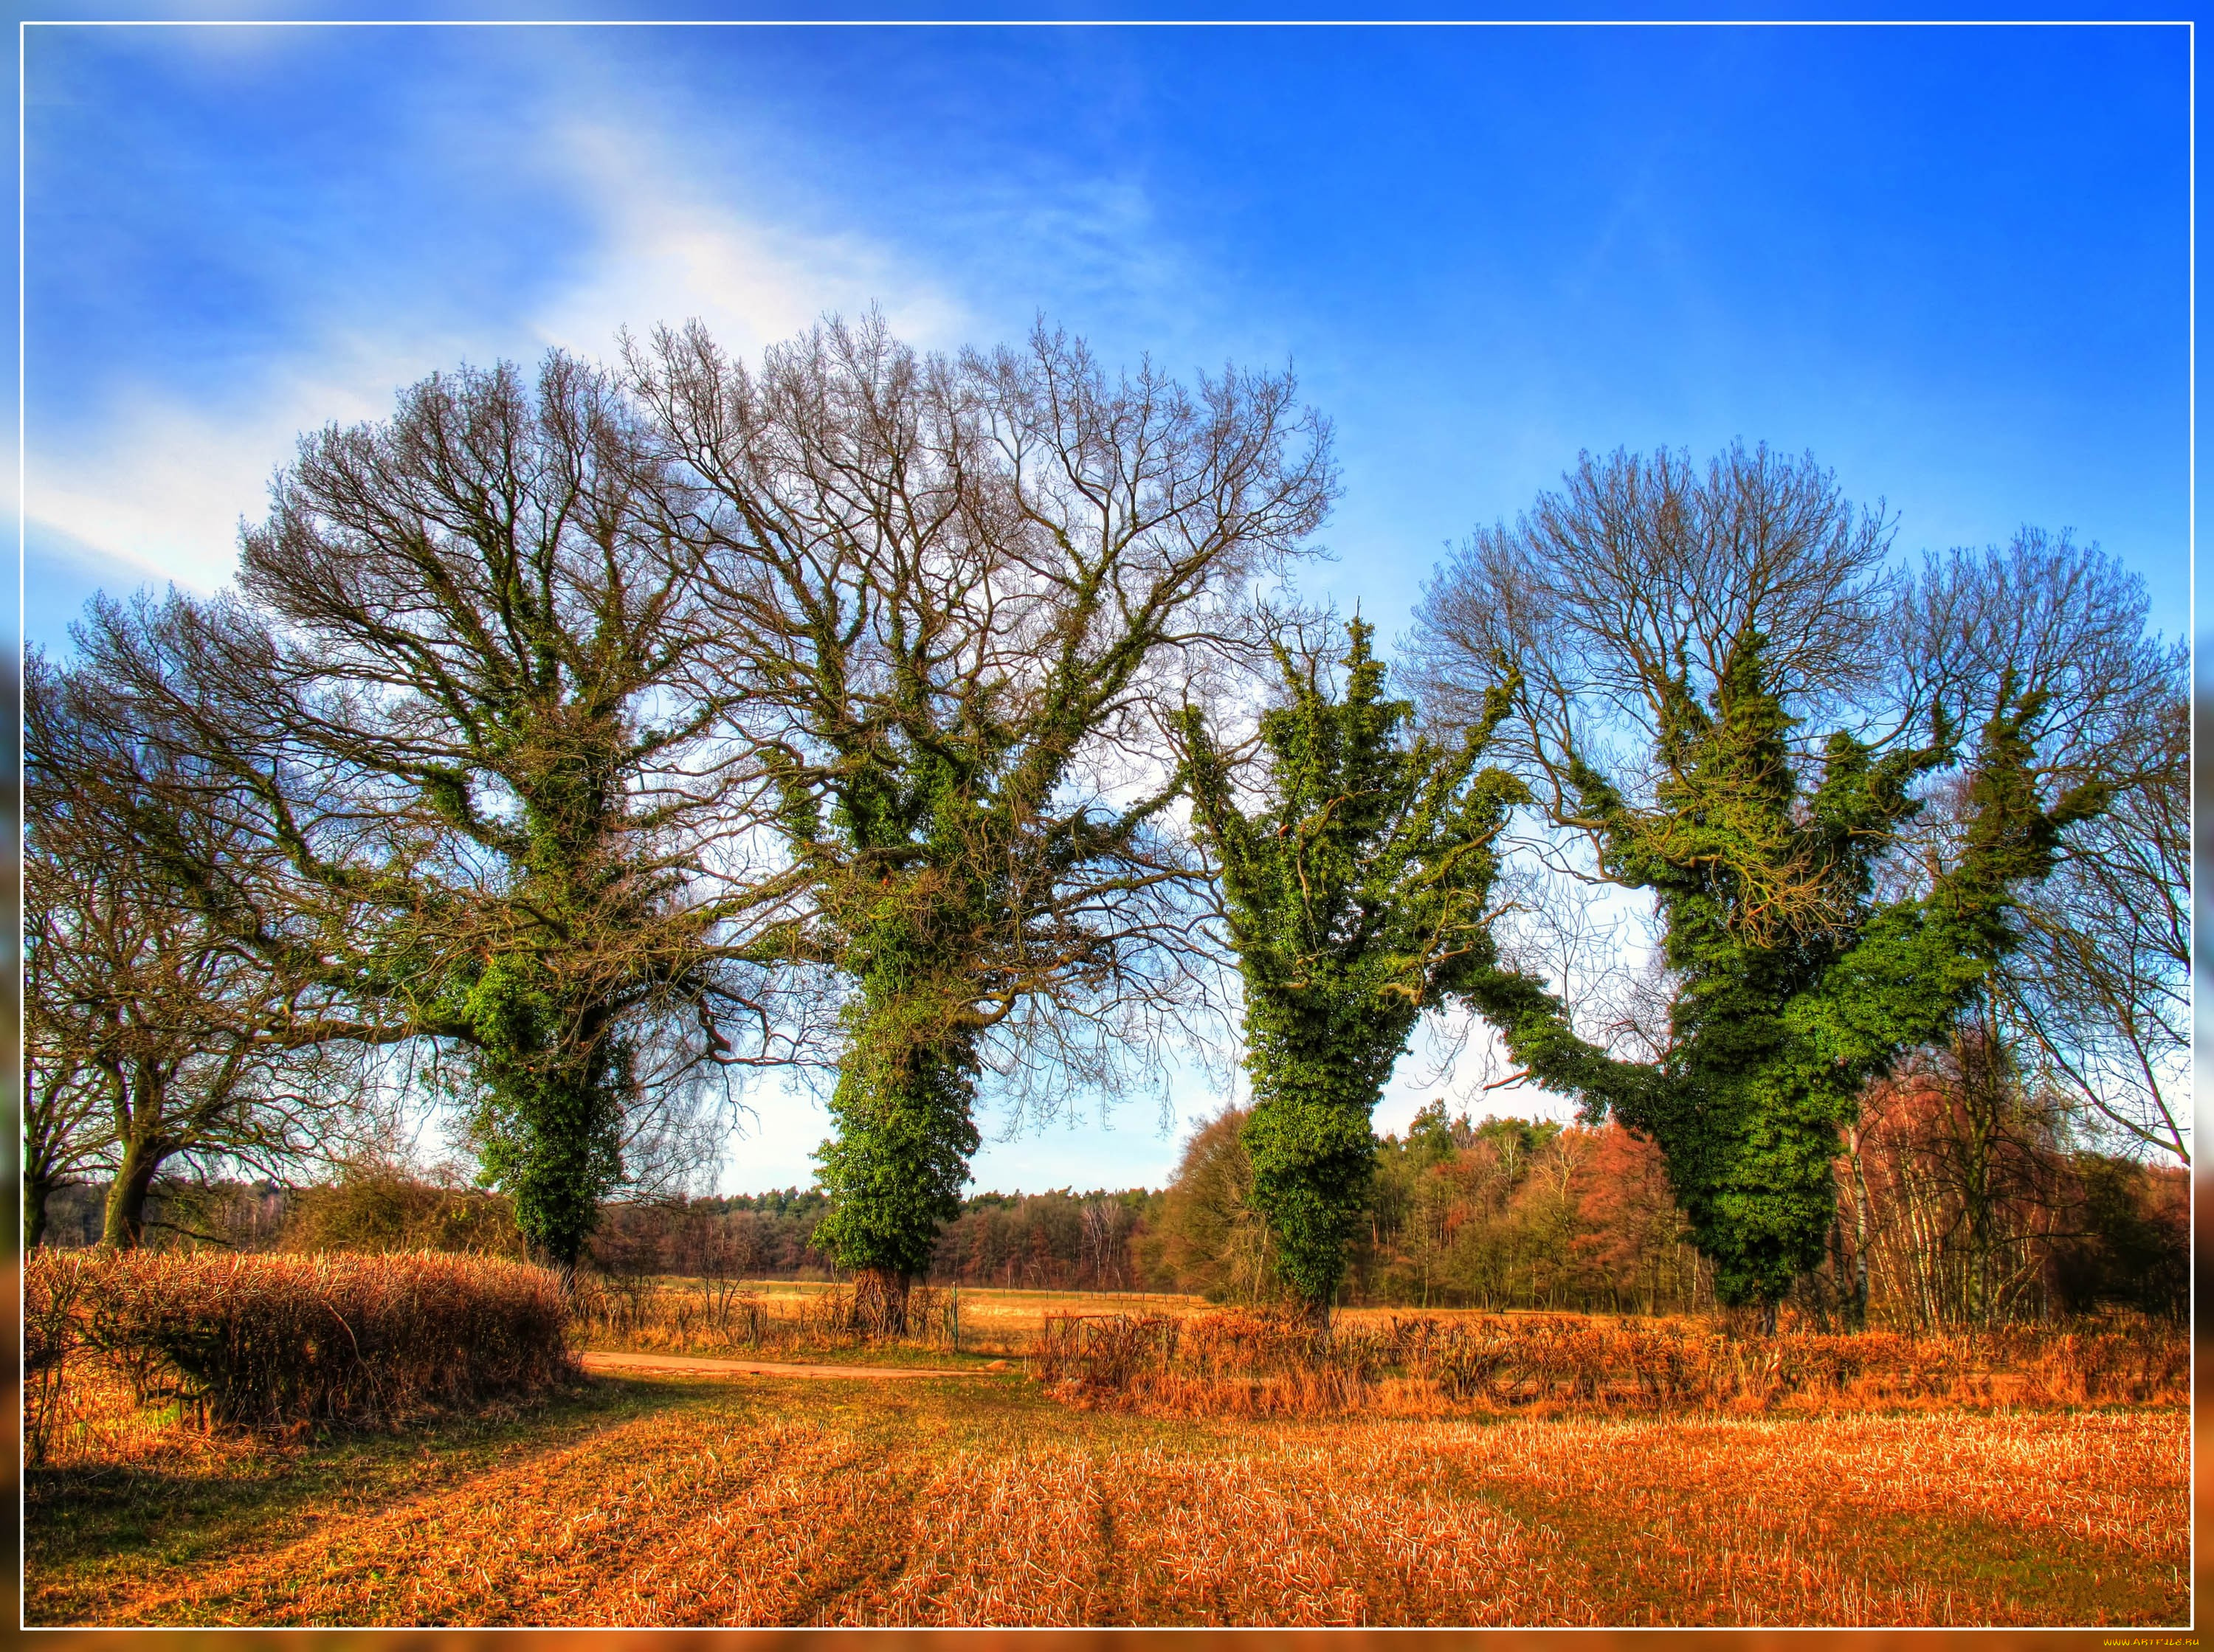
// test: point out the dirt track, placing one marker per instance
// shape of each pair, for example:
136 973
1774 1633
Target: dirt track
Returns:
695 1365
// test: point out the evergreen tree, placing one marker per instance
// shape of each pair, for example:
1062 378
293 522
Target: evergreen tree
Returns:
1357 898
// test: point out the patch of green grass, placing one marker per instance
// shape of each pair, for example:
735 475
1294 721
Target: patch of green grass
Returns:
1631 1547
2071 1582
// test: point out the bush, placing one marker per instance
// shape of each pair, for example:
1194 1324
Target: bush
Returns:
49 1300
374 1209
265 1341
722 1316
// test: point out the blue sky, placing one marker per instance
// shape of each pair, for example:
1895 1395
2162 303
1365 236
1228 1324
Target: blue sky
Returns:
1953 263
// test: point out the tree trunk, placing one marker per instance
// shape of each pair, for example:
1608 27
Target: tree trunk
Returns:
1768 1316
1315 1316
1857 1315
35 1189
880 1301
124 1224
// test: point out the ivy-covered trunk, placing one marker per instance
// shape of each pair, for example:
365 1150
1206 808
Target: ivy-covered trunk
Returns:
554 1071
1314 1154
1356 898
551 1130
905 1130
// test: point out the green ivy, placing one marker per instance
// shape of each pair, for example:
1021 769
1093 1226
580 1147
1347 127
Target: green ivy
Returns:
1795 985
1357 899
901 895
551 1075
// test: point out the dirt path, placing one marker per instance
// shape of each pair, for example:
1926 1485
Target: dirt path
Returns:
695 1365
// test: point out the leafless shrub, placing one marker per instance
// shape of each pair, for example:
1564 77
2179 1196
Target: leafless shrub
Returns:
725 1316
268 1341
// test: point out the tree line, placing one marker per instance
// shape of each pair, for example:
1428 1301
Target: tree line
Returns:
1966 1204
568 749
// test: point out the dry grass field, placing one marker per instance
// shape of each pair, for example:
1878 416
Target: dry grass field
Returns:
695 1315
671 1501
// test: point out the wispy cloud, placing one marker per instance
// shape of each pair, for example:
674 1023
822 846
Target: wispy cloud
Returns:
160 475
667 250
160 483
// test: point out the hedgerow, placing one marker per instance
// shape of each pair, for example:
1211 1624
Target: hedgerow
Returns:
271 1340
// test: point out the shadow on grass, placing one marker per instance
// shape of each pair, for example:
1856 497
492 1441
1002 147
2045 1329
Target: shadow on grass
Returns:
186 1501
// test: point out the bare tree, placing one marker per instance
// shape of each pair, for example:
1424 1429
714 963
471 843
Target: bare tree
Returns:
1103 1244
472 715
2097 993
1635 583
64 1138
1961 1184
154 1036
961 592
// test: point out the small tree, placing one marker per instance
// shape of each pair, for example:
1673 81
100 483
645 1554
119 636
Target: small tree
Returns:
152 1036
63 1134
1357 897
1210 1236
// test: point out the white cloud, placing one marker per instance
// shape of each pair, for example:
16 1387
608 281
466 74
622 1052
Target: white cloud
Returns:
161 481
668 251
162 484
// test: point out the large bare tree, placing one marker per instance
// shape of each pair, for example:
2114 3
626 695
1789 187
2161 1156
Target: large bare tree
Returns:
475 721
961 591
2096 997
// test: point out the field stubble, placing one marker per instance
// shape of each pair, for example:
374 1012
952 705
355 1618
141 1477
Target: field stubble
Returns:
980 1503
1190 1490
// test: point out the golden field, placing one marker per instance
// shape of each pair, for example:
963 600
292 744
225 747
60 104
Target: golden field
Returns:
977 1499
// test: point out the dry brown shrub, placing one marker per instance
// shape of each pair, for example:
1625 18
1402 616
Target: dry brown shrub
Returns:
1254 1364
720 1316
379 1210
50 1336
271 1340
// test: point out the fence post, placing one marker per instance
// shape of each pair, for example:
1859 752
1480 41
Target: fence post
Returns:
957 1316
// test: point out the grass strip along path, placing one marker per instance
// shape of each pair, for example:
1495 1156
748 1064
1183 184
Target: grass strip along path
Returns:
950 1499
